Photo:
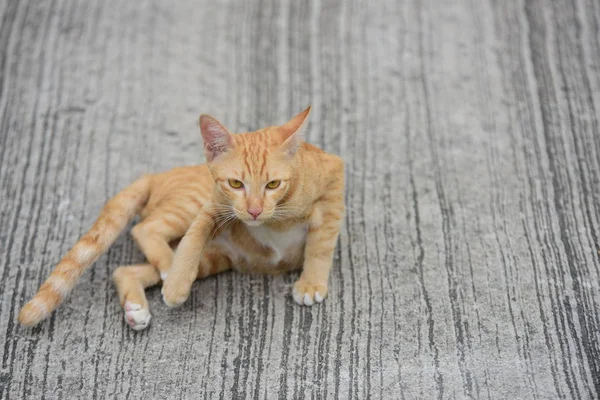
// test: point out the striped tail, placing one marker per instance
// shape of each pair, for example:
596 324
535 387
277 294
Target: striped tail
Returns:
115 216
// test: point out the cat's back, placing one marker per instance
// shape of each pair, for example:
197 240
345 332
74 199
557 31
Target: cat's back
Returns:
182 188
182 178
319 173
321 161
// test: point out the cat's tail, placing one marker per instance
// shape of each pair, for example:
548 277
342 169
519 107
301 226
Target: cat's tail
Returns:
113 219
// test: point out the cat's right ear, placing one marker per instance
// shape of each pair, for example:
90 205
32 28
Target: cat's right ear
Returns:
293 131
217 139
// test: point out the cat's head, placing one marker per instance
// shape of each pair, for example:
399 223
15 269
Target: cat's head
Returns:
252 171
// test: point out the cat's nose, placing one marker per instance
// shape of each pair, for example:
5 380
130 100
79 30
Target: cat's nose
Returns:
255 211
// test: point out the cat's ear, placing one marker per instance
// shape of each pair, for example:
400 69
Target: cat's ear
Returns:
294 131
217 139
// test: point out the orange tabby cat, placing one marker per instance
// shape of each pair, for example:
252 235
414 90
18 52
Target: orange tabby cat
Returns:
265 202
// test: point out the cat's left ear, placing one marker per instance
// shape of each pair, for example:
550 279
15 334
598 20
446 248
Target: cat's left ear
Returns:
294 132
217 139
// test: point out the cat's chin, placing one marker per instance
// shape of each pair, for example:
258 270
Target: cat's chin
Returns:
253 223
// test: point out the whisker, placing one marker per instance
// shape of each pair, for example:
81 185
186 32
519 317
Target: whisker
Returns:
224 221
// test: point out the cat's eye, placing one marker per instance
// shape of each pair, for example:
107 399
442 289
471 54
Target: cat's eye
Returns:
273 184
234 183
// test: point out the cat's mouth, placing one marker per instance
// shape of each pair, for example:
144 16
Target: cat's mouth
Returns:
253 223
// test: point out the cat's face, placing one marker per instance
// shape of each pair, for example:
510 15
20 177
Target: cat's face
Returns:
253 179
252 171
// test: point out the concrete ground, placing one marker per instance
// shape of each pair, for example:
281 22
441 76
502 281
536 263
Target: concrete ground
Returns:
468 265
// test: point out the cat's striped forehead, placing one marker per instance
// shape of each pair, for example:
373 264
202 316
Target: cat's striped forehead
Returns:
255 148
262 138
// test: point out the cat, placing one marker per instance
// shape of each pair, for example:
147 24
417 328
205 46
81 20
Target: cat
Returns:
265 202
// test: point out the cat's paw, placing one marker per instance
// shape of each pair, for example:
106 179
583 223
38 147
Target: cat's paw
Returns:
137 318
307 294
174 295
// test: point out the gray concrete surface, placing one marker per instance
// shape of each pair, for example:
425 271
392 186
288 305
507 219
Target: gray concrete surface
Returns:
468 265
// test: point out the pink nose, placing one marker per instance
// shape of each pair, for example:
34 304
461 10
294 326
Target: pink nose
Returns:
255 212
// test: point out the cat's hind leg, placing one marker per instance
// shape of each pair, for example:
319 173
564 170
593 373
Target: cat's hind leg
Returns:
131 281
213 262
153 237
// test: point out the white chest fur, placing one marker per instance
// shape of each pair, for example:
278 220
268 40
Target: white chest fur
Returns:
279 241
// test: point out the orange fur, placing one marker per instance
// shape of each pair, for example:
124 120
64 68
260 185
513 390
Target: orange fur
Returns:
297 224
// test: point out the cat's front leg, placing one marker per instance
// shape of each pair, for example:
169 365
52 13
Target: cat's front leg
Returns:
183 273
324 228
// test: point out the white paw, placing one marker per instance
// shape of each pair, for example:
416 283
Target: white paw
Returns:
163 275
137 318
318 297
306 299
